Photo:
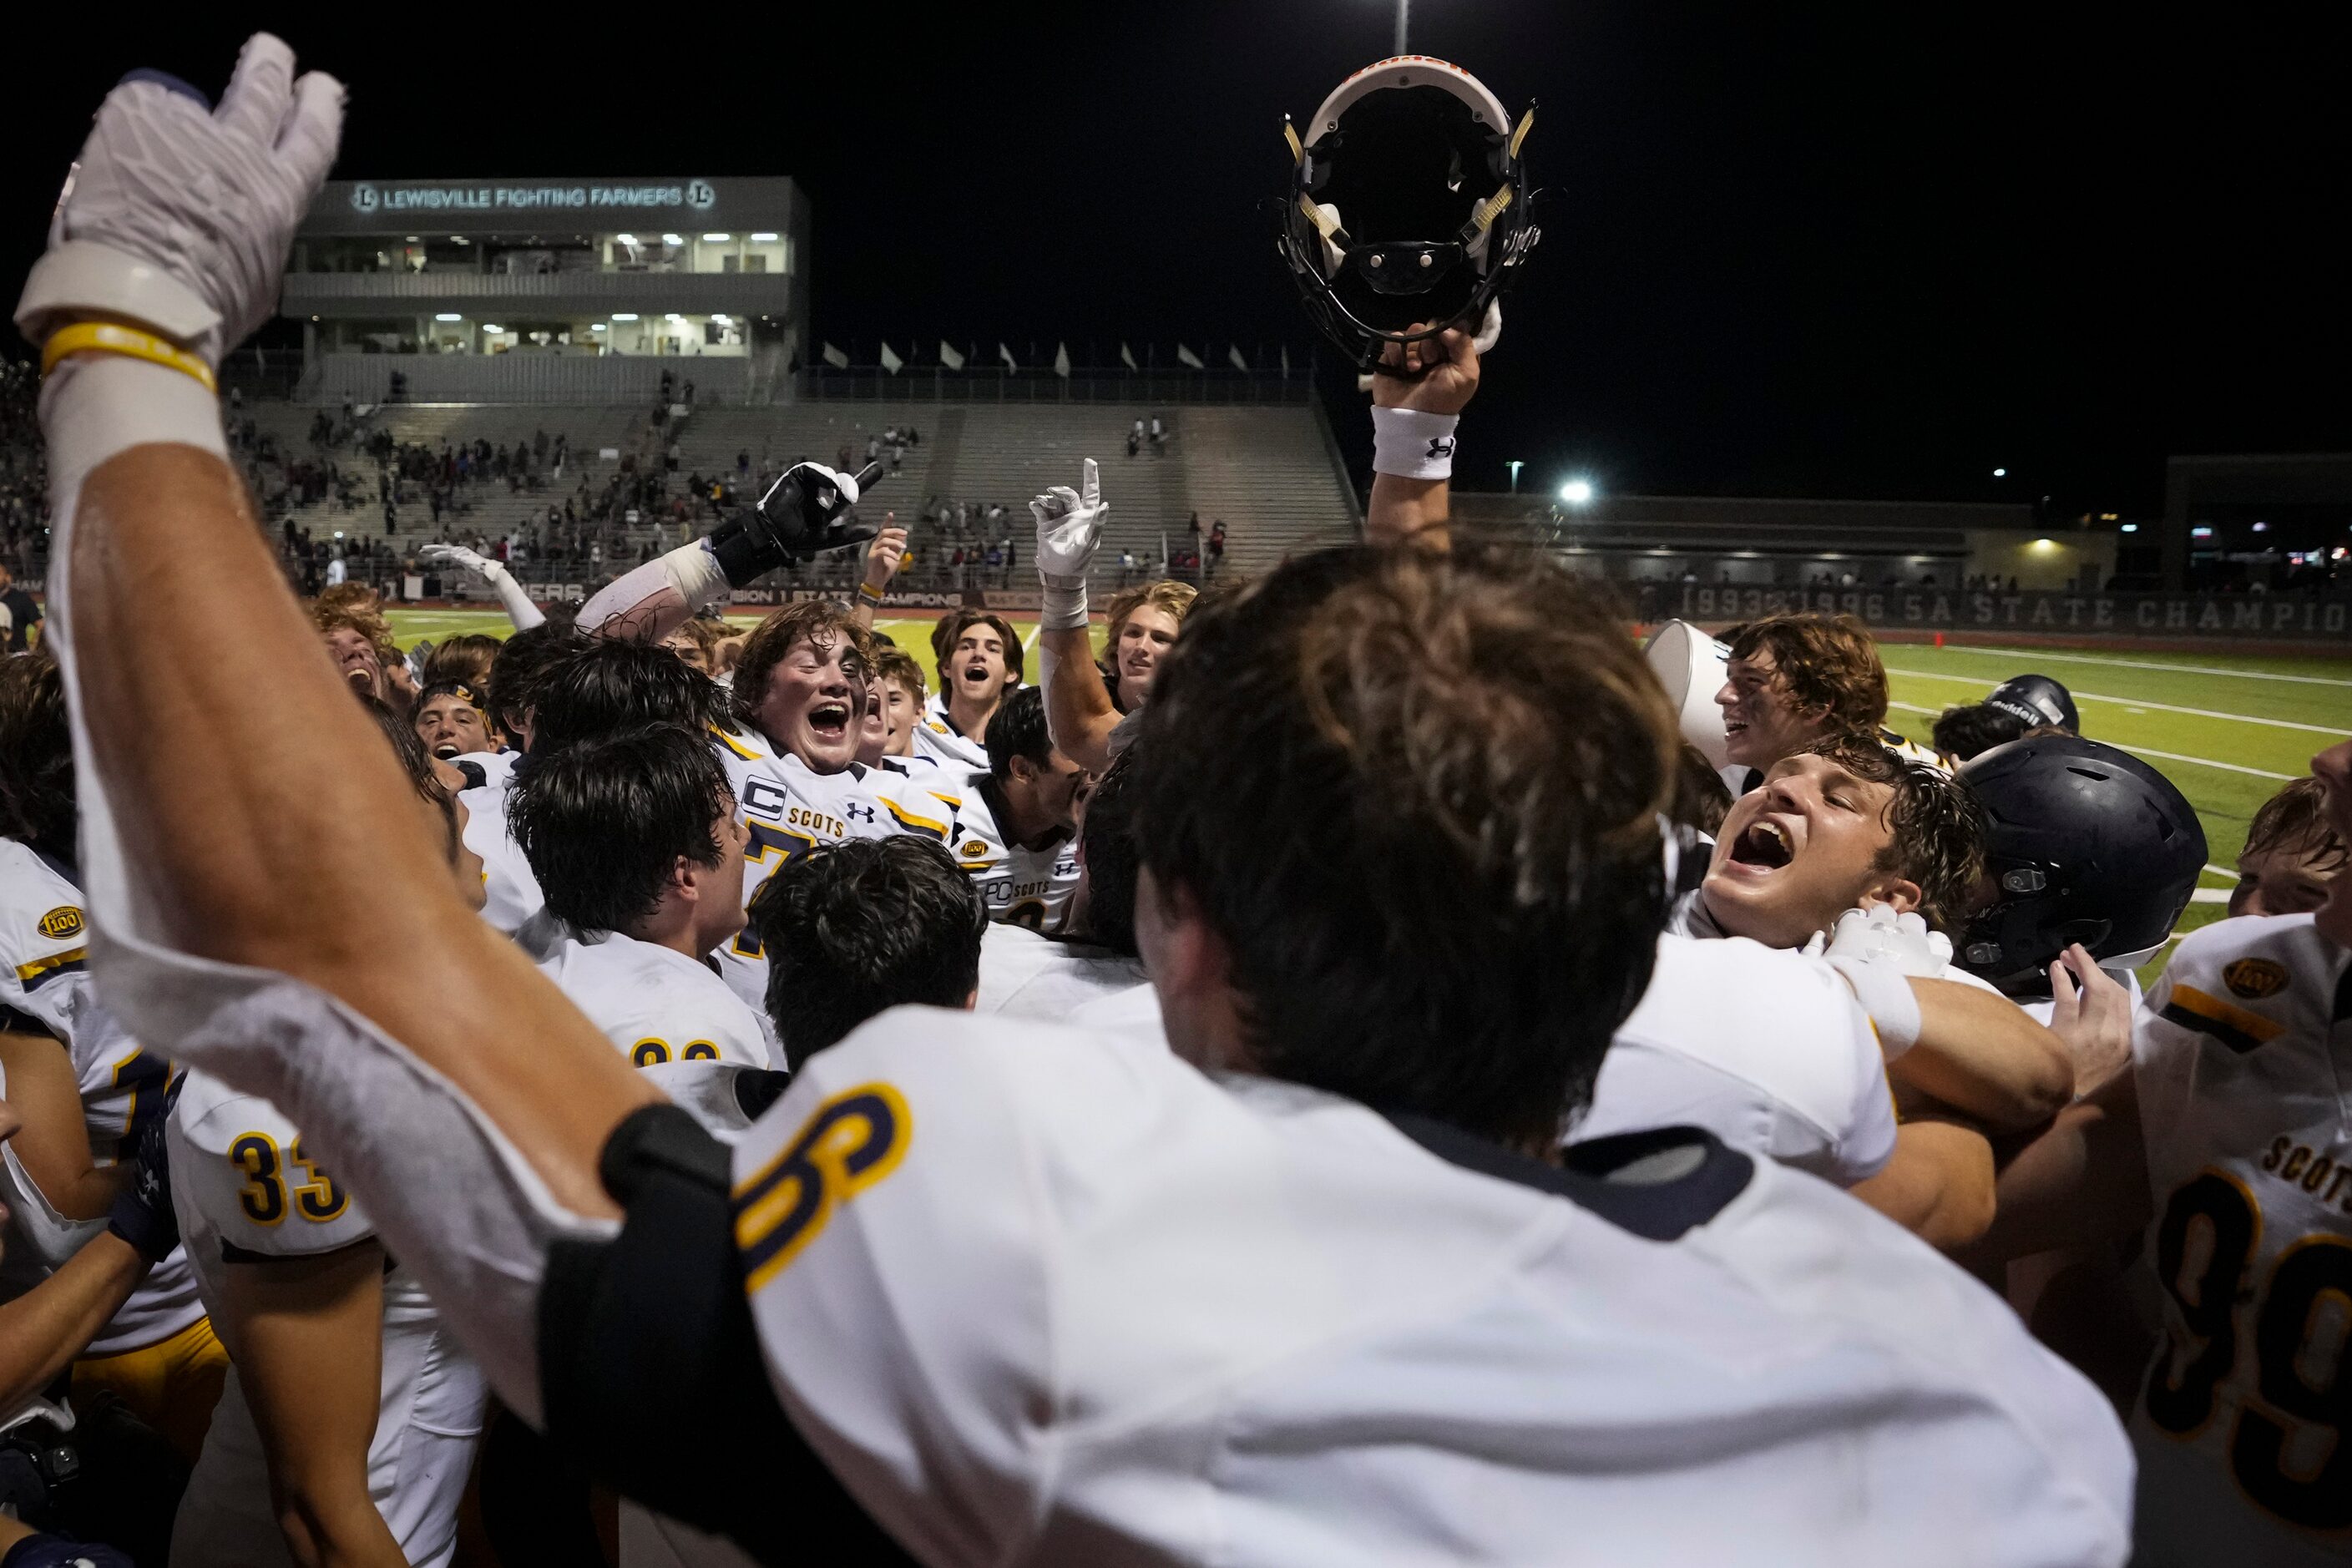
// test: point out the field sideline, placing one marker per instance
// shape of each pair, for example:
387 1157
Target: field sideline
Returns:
2228 728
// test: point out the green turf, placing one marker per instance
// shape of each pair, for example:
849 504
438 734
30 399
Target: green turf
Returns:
2245 703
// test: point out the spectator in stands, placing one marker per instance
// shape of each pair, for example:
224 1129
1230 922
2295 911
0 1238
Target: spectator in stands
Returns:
1216 545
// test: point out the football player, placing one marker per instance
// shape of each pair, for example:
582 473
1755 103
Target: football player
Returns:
452 721
982 666
986 1292
1144 621
1018 820
2230 1144
82 1085
347 1427
634 840
2293 854
1033 975
2019 704
1795 679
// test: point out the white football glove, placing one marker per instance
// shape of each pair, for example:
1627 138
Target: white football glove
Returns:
1069 529
1879 953
179 215
480 566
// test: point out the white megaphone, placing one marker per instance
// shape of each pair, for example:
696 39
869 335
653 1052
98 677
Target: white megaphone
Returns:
1690 665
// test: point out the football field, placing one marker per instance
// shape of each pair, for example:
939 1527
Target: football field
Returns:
2228 728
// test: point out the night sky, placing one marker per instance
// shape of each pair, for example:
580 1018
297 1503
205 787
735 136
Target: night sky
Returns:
1864 252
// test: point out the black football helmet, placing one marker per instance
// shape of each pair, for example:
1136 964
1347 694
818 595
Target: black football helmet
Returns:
2036 700
1408 204
2085 843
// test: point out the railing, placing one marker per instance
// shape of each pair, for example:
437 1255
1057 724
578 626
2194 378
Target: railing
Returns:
977 384
360 294
526 378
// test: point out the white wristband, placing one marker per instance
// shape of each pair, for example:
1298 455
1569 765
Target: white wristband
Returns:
1885 993
1062 608
1413 444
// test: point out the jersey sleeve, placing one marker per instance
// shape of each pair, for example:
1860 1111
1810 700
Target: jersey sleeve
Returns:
894 1239
44 966
243 1167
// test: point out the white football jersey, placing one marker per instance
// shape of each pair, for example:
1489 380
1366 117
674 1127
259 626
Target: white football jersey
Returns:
1032 976
45 978
1768 1050
1134 1012
789 807
654 1002
1040 1296
513 895
937 737
1020 885
2242 1060
497 767
243 1188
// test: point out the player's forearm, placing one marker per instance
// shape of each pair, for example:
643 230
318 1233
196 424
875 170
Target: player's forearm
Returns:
259 858
2084 1180
45 1329
1978 1053
1079 715
519 606
1938 1184
1409 511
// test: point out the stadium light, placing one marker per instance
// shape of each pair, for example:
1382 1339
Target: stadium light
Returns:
718 239
448 316
2262 528
2200 534
722 320
1577 492
597 327
625 315
625 238
1515 464
673 239
674 316
412 240
763 239
492 327
2043 546
2128 528
2001 473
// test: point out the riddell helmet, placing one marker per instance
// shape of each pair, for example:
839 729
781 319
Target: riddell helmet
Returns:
2085 843
2036 700
1408 202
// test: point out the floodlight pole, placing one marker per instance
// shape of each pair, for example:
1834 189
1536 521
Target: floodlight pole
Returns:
1404 9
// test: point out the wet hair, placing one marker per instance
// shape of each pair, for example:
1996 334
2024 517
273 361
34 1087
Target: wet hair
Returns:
1970 730
964 621
819 621
852 928
1827 664
1019 730
2296 820
36 765
1934 825
522 662
1417 798
895 665
614 684
465 657
417 764
1107 842
605 820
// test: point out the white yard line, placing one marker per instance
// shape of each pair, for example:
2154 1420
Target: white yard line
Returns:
2143 703
2039 653
2151 752
2210 896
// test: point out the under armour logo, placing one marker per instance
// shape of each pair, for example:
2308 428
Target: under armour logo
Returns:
857 813
1439 447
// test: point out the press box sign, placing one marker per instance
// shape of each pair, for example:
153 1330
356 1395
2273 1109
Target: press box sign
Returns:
370 200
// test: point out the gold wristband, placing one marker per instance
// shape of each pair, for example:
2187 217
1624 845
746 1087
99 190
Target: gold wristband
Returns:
105 337
870 593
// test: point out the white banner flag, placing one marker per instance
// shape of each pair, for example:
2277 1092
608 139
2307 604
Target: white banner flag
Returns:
1062 361
1233 352
1126 357
836 358
891 361
949 357
1004 352
1186 357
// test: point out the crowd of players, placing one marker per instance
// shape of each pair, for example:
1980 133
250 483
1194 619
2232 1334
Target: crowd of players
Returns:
1348 1074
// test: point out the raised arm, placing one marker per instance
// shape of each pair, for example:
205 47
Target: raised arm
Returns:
519 608
453 1086
1079 714
1419 391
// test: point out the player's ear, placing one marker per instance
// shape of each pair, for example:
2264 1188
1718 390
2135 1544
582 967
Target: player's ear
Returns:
971 1003
1899 892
